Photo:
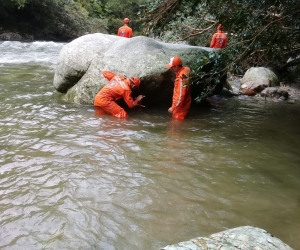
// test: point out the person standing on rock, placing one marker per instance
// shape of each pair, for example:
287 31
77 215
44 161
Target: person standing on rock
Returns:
182 99
219 39
118 87
125 30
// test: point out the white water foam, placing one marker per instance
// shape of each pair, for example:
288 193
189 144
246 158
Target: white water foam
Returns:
38 52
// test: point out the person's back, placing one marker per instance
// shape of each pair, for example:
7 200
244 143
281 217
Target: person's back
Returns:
219 39
125 30
117 87
113 90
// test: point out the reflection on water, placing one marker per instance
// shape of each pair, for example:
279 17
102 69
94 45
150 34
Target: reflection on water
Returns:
70 179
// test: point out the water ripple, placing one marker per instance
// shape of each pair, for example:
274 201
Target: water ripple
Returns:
73 180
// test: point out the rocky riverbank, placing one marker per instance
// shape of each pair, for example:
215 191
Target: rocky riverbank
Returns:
293 89
258 88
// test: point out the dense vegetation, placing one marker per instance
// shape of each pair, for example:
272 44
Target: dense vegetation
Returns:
260 32
67 19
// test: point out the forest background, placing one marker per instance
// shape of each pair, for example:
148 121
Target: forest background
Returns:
260 32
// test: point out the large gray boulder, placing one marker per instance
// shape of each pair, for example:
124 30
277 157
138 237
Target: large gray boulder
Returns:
240 238
259 78
80 64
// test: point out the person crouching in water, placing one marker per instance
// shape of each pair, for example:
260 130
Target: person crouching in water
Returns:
118 87
182 99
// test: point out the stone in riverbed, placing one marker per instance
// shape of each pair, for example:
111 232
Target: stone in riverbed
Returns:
240 238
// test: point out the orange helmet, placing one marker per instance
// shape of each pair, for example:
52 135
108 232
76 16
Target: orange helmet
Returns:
135 80
126 20
220 27
174 61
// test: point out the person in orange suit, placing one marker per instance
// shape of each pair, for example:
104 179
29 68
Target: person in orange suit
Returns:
219 39
125 30
118 87
182 99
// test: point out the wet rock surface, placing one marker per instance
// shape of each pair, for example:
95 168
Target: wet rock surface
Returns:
240 238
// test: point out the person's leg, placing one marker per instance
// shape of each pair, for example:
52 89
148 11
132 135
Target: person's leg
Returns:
115 110
179 115
100 111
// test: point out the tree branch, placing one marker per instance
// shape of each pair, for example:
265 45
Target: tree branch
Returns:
199 32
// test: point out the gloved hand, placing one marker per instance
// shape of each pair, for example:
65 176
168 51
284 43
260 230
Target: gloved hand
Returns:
138 100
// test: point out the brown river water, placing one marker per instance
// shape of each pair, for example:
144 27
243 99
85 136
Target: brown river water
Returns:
70 179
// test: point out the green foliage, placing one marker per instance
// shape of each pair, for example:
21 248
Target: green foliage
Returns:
117 10
96 25
45 19
93 7
68 19
18 3
209 72
260 33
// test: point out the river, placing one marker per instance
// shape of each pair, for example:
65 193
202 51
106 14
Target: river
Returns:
70 179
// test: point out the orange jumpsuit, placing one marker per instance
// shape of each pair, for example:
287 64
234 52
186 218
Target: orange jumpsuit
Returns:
181 94
125 31
117 87
219 40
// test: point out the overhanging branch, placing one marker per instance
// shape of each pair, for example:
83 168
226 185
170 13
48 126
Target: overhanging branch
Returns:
199 32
